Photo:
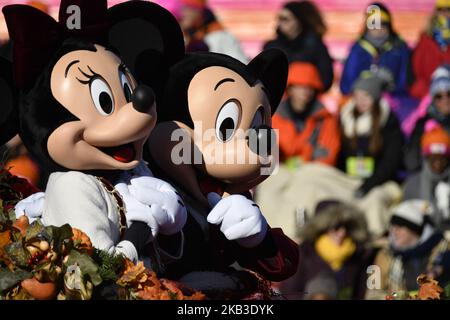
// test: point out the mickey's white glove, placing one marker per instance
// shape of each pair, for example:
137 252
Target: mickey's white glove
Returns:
240 219
136 210
442 195
155 202
32 206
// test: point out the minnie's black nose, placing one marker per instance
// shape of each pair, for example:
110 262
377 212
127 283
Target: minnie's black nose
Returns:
143 98
261 140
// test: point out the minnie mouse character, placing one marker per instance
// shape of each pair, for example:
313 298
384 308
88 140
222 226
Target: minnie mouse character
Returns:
222 109
85 118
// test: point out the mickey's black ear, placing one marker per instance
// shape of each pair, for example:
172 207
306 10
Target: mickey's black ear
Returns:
271 67
9 114
148 38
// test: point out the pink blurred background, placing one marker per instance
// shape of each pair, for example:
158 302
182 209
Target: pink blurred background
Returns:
252 21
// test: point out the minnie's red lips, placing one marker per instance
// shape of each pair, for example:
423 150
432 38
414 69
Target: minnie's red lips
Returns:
124 153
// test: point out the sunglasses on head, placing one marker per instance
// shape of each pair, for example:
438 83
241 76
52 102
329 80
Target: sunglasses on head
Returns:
440 95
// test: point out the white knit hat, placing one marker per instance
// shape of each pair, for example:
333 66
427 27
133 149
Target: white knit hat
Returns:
411 214
440 80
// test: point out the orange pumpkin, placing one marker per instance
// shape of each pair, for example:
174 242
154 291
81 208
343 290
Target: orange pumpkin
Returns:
40 290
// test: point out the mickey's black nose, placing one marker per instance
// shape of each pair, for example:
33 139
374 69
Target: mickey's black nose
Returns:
261 139
143 98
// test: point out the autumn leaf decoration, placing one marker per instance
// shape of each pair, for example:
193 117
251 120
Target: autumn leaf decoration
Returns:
429 288
82 242
145 285
5 239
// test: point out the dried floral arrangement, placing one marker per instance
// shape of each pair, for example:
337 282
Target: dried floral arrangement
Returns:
48 262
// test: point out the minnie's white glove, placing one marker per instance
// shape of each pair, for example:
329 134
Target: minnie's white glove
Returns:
240 219
442 195
32 206
155 202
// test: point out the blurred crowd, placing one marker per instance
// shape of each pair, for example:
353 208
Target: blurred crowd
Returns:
368 184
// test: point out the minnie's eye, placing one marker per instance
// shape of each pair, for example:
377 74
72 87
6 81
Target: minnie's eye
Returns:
227 121
102 96
258 119
126 85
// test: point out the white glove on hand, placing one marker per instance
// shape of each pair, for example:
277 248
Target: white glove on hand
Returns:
240 217
167 206
32 206
135 210
442 195
155 202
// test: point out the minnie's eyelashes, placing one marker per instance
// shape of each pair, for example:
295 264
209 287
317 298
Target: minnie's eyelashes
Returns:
85 74
89 77
93 75
83 81
93 72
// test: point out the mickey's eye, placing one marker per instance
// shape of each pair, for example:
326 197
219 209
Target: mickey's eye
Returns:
102 96
227 120
258 119
126 85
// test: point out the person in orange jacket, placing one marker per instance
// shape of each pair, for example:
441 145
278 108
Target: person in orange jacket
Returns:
307 130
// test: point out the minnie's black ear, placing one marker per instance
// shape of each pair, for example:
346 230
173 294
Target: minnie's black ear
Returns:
9 114
148 38
271 67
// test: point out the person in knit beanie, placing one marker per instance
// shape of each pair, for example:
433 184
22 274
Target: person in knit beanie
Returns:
435 151
308 132
407 223
440 81
371 135
432 182
370 84
438 111
415 247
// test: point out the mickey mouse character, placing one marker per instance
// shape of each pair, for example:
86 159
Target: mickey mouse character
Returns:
85 118
215 102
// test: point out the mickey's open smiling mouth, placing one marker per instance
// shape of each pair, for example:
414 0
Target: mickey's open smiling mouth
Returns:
124 153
